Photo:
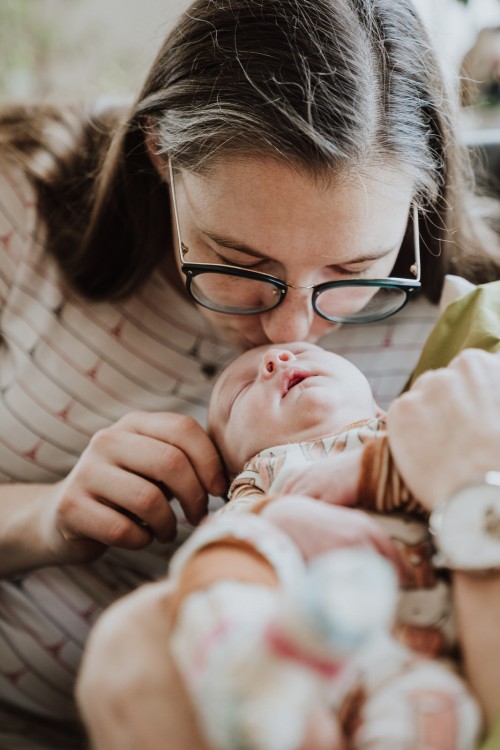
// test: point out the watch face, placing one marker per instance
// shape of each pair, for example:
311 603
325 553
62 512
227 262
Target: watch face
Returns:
468 528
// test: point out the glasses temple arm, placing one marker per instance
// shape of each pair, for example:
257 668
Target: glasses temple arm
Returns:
416 243
174 206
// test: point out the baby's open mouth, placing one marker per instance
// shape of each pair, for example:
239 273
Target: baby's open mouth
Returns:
292 379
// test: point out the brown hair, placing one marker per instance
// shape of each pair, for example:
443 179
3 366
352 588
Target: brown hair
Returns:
328 86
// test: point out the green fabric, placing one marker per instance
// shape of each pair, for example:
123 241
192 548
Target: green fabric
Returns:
492 742
471 322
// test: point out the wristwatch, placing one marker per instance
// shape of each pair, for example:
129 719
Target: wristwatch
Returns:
466 527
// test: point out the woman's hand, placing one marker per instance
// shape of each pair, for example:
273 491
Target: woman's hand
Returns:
117 494
445 431
333 479
129 692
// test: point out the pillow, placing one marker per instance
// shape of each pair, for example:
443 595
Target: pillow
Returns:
493 740
471 321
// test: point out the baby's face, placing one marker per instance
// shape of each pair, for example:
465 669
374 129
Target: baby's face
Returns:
284 394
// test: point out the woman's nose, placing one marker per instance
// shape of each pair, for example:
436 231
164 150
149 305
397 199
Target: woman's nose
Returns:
290 321
274 359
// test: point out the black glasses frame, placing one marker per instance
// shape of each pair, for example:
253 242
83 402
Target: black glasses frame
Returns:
192 270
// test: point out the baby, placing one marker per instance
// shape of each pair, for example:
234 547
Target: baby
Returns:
284 609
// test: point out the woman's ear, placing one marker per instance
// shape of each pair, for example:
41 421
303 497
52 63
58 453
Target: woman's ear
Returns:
158 162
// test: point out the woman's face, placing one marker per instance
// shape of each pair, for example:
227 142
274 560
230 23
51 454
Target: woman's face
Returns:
263 215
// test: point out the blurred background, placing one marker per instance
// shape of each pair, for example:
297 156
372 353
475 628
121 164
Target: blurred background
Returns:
84 49
80 48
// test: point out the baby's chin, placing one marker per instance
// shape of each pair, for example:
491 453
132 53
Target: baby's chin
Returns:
316 428
302 433
321 420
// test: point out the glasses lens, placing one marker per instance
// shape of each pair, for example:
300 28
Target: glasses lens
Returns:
359 304
234 294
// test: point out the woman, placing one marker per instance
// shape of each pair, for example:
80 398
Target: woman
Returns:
312 143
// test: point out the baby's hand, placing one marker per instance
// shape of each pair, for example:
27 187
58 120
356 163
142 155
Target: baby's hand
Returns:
333 479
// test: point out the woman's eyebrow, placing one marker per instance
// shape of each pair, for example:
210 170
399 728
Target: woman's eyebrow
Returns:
240 247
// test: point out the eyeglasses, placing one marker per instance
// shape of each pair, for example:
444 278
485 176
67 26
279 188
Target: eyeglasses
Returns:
225 288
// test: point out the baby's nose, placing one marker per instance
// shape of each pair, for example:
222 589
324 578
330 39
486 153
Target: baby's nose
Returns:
274 359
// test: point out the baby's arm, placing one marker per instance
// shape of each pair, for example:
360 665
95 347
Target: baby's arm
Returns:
366 477
334 479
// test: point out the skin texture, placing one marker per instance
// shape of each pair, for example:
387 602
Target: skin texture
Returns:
257 402
131 708
458 447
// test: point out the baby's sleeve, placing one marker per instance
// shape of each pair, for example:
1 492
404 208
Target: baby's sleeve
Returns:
381 487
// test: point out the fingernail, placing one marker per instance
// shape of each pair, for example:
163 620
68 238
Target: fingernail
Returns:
219 486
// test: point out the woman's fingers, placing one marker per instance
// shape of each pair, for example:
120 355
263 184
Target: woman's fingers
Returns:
445 430
168 452
149 459
109 526
191 440
118 492
122 492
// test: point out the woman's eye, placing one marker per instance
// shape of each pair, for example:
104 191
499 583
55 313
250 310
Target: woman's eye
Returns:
242 263
227 260
353 270
218 258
